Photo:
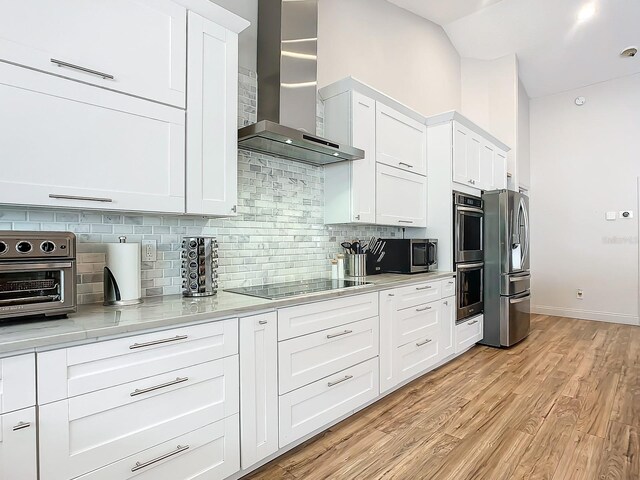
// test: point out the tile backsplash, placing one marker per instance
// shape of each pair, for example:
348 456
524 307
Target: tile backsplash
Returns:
279 234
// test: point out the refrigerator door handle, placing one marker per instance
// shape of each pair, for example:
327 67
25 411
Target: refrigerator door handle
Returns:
520 298
519 278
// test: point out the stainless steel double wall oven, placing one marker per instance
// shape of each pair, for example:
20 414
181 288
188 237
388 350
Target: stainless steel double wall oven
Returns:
468 224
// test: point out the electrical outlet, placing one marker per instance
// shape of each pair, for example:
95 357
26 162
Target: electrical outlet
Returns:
579 294
149 251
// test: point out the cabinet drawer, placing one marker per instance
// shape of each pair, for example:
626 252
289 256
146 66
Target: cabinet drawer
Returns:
210 452
469 333
18 445
311 357
309 408
418 356
416 322
79 370
79 160
448 287
314 317
414 295
17 382
142 44
84 433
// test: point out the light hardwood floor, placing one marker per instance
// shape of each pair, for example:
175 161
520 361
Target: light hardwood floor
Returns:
563 404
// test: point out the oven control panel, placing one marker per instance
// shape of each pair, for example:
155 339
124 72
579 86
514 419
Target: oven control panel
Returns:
15 245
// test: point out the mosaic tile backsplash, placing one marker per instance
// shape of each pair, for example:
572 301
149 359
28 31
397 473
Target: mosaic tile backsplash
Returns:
278 235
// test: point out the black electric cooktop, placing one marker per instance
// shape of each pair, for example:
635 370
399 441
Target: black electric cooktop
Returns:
275 291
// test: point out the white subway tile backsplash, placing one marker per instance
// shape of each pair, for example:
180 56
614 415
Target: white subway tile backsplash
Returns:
279 234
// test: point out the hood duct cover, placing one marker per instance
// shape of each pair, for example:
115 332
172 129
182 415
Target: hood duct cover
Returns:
287 87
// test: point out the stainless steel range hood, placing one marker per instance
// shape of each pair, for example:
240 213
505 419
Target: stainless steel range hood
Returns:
287 87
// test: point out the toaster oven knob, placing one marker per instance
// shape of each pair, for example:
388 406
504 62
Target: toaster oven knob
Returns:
47 247
24 247
3 247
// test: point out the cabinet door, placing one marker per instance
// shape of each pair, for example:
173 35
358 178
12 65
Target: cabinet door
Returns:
17 382
401 141
500 170
363 173
388 378
212 151
417 322
401 197
418 356
132 46
95 148
258 387
466 156
18 459
474 160
468 333
447 326
487 155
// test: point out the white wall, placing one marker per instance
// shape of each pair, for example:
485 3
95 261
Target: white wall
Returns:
397 52
523 143
586 161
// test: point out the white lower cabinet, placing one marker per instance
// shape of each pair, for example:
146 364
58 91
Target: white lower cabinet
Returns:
18 447
469 332
258 387
17 382
84 433
309 408
447 326
208 453
418 356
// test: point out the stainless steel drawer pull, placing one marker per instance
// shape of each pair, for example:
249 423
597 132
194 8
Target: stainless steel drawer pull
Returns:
426 287
445 303
405 221
450 283
60 63
405 164
419 344
392 294
348 377
472 323
79 197
333 335
158 387
179 449
158 342
422 309
21 425
263 322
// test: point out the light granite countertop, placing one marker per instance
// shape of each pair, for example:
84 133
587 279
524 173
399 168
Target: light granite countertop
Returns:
96 322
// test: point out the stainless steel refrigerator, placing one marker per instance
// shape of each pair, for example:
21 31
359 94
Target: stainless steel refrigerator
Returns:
507 278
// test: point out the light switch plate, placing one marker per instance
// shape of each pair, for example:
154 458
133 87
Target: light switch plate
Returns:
612 215
626 214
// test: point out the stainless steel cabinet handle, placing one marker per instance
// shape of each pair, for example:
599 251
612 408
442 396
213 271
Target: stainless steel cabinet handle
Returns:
473 322
450 283
331 384
405 221
445 303
419 344
158 387
422 309
391 294
79 197
234 209
179 449
405 164
21 425
158 342
263 322
357 217
60 63
427 287
333 335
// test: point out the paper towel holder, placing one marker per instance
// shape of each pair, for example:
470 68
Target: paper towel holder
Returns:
112 296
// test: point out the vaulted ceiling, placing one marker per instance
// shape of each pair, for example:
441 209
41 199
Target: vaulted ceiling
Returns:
560 45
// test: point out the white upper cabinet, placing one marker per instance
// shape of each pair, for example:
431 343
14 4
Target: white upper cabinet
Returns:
73 145
487 166
500 169
132 46
212 162
401 141
350 186
400 197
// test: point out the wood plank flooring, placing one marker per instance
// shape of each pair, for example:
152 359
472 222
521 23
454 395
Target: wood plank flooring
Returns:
562 405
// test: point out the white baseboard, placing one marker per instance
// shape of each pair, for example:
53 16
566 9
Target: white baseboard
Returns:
585 314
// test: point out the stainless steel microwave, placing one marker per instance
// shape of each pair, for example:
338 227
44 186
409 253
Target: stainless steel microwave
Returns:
409 255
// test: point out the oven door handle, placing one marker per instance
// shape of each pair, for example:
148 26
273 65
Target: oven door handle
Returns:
470 266
34 265
470 209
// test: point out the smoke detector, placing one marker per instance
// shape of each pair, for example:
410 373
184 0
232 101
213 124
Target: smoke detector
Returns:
629 52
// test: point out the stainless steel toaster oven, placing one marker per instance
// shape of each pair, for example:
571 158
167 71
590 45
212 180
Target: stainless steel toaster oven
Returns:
37 274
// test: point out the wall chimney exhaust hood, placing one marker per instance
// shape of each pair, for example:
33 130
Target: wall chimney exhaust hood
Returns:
287 87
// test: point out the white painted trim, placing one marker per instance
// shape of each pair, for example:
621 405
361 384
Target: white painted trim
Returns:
585 314
453 115
216 14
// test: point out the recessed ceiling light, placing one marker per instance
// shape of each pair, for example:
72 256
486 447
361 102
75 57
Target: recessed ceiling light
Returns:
586 12
629 52
580 101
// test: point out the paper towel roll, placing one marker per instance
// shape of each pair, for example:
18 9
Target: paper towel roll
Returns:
122 274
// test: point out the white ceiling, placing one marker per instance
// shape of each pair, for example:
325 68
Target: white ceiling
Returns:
556 52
